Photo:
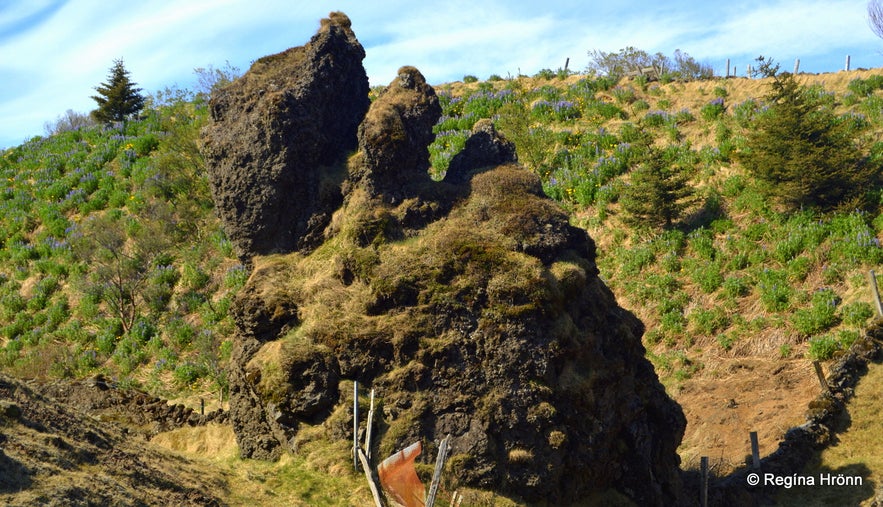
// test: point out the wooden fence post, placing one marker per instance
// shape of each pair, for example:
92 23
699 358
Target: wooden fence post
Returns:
356 425
370 425
872 278
728 67
796 65
436 475
703 493
755 451
821 375
202 406
373 481
847 63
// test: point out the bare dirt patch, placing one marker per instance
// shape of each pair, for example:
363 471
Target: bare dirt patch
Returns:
738 396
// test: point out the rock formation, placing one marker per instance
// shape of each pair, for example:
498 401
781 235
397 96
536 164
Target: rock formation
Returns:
395 135
484 148
278 136
471 305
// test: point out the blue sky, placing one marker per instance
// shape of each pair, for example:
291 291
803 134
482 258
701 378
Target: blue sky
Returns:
54 52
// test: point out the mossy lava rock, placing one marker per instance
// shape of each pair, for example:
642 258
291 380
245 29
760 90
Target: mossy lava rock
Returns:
473 308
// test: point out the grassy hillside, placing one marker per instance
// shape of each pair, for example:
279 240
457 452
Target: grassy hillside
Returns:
737 274
112 261
740 276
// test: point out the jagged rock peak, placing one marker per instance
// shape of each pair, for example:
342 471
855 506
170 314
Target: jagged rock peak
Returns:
485 147
339 20
278 139
395 135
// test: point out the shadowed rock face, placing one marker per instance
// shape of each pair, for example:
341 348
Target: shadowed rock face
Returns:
278 136
474 309
395 136
484 148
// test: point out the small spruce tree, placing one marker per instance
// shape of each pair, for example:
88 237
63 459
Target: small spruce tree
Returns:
803 154
658 193
118 98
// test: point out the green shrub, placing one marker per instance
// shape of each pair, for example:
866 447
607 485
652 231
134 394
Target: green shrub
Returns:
856 314
142 331
784 351
702 243
469 78
865 87
194 277
775 291
188 373
821 316
636 259
707 275
640 105
822 348
736 287
656 118
713 109
624 94
847 337
143 145
180 333
798 269
672 322
129 354
236 277
708 322
726 340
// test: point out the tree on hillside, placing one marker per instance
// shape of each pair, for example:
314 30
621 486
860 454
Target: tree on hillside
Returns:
617 65
123 255
803 153
658 193
210 78
118 98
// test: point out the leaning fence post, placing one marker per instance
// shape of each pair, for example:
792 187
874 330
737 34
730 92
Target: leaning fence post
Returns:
821 375
755 451
369 429
436 475
373 481
876 292
847 62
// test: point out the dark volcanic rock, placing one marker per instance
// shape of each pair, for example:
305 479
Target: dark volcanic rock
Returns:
474 309
395 136
278 138
484 148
